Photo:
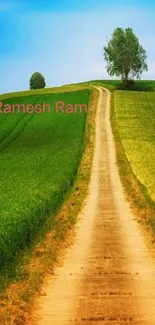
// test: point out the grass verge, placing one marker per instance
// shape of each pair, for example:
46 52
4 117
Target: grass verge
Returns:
17 300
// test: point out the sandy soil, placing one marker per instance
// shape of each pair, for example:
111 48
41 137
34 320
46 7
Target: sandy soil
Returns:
108 275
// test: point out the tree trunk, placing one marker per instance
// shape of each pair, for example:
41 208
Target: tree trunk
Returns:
126 80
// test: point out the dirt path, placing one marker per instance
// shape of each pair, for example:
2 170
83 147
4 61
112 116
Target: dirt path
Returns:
108 276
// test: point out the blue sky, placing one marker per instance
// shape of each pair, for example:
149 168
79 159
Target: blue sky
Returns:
64 39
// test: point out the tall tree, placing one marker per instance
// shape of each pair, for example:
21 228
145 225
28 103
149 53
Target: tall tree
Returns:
125 57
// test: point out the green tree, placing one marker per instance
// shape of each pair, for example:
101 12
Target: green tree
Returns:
37 81
125 57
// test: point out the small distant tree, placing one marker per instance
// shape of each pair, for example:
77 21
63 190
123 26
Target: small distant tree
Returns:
37 81
125 57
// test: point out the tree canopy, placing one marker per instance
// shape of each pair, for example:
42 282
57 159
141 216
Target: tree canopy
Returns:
37 81
125 57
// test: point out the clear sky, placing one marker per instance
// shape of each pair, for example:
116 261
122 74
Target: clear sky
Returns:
64 39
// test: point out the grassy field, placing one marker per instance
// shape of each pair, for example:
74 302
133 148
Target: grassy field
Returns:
21 282
57 90
39 157
135 120
112 85
39 154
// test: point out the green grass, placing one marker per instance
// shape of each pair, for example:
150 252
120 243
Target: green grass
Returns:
112 85
39 157
57 90
135 119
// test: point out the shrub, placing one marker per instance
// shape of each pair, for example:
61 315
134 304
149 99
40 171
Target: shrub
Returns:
37 81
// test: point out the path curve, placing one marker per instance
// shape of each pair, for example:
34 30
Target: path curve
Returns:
108 276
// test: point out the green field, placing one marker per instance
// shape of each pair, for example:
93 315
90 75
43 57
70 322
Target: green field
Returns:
135 119
112 85
40 153
39 157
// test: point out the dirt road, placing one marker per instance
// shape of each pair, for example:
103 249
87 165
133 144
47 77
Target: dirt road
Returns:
108 276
